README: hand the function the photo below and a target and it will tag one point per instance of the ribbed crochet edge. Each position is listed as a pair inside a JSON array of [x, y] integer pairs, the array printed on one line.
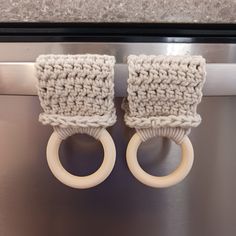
[[176, 134], [78, 121], [172, 121], [67, 132]]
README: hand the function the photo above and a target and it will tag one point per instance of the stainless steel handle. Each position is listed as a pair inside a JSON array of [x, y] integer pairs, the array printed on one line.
[[28, 52], [17, 75]]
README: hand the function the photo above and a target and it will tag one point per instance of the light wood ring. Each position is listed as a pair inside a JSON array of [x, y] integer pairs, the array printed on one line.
[[160, 181], [81, 182]]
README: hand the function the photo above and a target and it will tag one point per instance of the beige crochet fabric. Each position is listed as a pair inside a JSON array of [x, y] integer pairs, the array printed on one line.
[[163, 94], [76, 92]]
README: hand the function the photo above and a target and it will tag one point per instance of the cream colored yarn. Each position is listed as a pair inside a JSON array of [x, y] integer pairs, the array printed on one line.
[[163, 94], [76, 92]]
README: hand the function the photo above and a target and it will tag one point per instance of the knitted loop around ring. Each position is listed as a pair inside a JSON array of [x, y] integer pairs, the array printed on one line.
[[163, 95], [163, 181], [76, 93], [81, 182]]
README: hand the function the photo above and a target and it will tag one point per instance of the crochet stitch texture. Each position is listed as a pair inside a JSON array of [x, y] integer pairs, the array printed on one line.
[[76, 92], [163, 94]]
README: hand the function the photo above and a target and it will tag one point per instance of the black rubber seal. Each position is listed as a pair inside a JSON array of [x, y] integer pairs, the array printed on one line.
[[117, 32]]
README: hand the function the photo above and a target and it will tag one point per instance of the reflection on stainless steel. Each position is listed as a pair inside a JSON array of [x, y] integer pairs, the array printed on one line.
[[19, 79], [28, 52], [33, 202]]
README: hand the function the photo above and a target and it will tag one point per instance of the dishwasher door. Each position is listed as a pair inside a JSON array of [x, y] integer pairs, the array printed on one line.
[[34, 203]]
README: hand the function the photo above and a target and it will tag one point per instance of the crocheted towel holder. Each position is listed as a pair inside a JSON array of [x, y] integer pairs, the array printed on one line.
[[163, 94], [76, 93]]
